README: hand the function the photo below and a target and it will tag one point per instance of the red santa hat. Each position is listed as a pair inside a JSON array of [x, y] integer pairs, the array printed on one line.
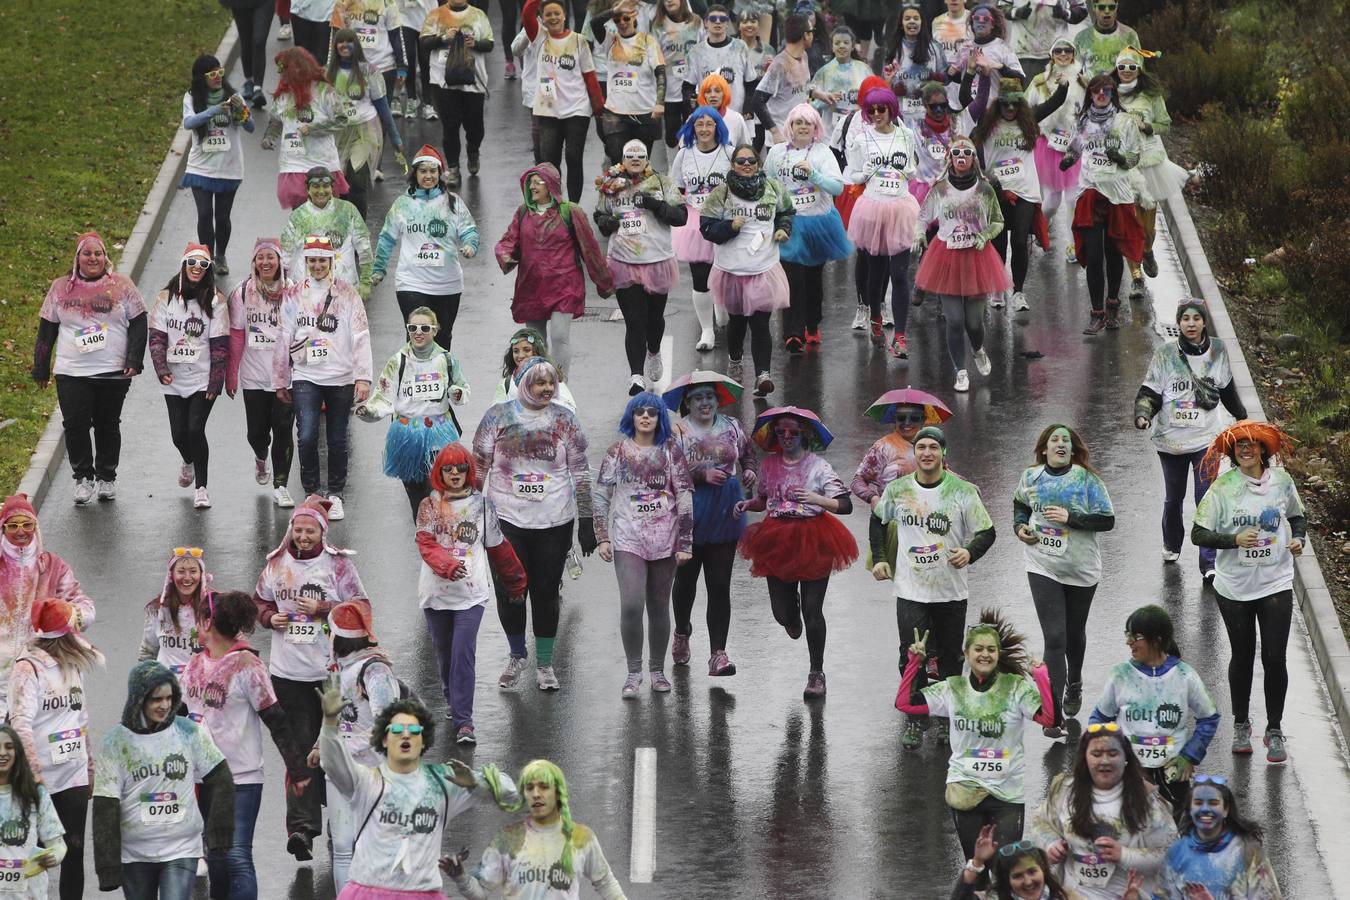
[[429, 154], [318, 245], [53, 618], [198, 251], [351, 620]]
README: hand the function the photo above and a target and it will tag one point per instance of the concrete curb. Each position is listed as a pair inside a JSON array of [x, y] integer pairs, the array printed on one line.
[[51, 446], [1310, 588]]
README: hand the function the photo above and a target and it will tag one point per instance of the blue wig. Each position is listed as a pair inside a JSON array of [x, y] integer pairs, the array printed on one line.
[[686, 132], [647, 398]]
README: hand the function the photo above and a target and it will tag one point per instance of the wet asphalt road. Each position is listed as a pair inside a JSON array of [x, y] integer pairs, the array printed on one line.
[[759, 794]]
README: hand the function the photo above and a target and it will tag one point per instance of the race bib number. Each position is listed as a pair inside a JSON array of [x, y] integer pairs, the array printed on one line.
[[1052, 540], [162, 808], [804, 197], [1098, 161], [430, 256], [649, 504], [927, 558], [548, 90], [911, 108], [293, 142], [301, 629], [1186, 414], [368, 36], [985, 762], [697, 198], [1152, 750], [1090, 870], [938, 151], [259, 339], [217, 141], [91, 338], [530, 486], [318, 352], [890, 182], [677, 71], [1263, 554], [424, 385], [66, 746], [623, 82], [631, 223], [961, 239], [1008, 169], [185, 351], [1059, 141], [11, 877]]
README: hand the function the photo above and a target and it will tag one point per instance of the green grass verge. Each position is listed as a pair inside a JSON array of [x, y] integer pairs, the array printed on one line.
[[91, 94]]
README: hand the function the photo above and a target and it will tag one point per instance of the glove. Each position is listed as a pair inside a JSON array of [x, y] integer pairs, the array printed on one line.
[[401, 159], [364, 290], [642, 201], [586, 537], [980, 242], [376, 277], [1178, 769], [1058, 12], [1067, 162], [1118, 158]]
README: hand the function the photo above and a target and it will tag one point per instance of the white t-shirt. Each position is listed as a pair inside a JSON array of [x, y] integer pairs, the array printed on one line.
[[372, 21], [560, 86], [677, 39], [807, 197], [153, 778], [190, 332], [91, 337], [752, 250], [1233, 505], [891, 158], [300, 153], [731, 61], [783, 94], [225, 695], [329, 347], [257, 318], [696, 172], [1153, 710], [521, 863], [21, 839], [466, 527], [301, 653], [632, 86], [986, 731], [470, 20], [377, 688], [429, 234], [931, 522], [530, 478], [221, 154], [1182, 425], [175, 645], [1014, 167], [56, 713]]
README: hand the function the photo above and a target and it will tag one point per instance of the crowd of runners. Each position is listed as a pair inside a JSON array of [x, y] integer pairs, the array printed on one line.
[[924, 149]]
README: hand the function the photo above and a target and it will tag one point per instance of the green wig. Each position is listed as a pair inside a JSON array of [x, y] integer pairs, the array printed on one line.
[[546, 772]]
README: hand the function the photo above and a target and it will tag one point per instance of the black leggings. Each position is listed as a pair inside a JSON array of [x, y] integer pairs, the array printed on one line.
[[716, 561], [761, 344], [698, 273], [72, 808], [461, 109], [618, 129], [1272, 615], [417, 491], [419, 66], [1004, 816], [542, 553], [644, 322], [312, 36], [795, 601], [559, 138], [510, 13], [879, 269], [253, 25], [445, 306], [187, 427], [674, 119], [1105, 266], [213, 219], [965, 318], [1018, 217], [271, 424], [806, 288], [1063, 612]]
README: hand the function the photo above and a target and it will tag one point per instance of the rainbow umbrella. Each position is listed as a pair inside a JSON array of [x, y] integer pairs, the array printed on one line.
[[728, 391], [768, 441], [935, 412]]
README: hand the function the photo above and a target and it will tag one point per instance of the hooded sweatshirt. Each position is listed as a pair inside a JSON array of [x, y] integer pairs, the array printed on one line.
[[145, 805], [96, 327], [551, 253]]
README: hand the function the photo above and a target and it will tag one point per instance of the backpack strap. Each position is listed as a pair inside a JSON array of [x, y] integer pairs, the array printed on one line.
[[371, 812]]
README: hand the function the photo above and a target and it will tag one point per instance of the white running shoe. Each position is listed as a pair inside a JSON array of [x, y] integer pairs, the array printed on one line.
[[107, 490], [636, 385], [514, 667], [653, 370], [706, 340], [887, 320], [84, 491], [763, 385], [982, 362], [282, 498], [861, 318], [545, 678], [284, 32], [998, 300], [962, 381], [261, 474], [1020, 303], [379, 176], [201, 500], [429, 112], [1170, 556], [335, 512], [186, 473]]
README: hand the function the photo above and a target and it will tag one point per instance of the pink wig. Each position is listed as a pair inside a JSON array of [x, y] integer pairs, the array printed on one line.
[[806, 112]]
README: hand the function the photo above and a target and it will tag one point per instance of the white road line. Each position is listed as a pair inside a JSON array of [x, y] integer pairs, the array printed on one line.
[[642, 859]]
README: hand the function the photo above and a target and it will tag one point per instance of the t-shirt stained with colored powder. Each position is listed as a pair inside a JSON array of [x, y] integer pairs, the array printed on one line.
[[1062, 553], [226, 696], [931, 522], [986, 730], [644, 502], [1236, 503]]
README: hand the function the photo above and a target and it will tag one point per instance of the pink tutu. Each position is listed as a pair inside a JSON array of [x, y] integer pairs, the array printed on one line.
[[691, 246], [741, 295], [655, 278], [292, 190], [961, 273], [1047, 167], [353, 891], [883, 227], [919, 190]]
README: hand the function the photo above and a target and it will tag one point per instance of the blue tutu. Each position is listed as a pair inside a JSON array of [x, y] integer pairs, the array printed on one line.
[[412, 444], [816, 240], [209, 184], [715, 521]]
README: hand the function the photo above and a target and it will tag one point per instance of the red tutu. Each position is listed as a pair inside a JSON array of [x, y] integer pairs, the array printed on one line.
[[1122, 225], [845, 201], [655, 278], [797, 549], [961, 273]]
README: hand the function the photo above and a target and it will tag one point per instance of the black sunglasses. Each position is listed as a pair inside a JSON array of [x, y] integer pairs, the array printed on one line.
[[718, 19], [649, 411], [746, 160]]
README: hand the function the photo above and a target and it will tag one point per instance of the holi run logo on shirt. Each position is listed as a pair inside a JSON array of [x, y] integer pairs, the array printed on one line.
[[437, 228], [304, 115], [328, 323], [1168, 716], [14, 832], [763, 212], [728, 73], [422, 820], [554, 876], [466, 532], [937, 523], [194, 327], [213, 695], [311, 590], [370, 17], [989, 727], [175, 767]]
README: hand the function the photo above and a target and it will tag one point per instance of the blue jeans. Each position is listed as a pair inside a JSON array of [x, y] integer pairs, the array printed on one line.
[[232, 873], [335, 405], [1175, 467], [168, 880]]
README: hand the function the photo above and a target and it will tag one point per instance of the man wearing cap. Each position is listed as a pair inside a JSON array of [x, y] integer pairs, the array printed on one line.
[[337, 220], [29, 573], [942, 528]]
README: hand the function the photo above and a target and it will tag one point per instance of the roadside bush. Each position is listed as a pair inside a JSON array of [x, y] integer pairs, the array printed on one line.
[[1226, 74], [1315, 109], [1245, 164]]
